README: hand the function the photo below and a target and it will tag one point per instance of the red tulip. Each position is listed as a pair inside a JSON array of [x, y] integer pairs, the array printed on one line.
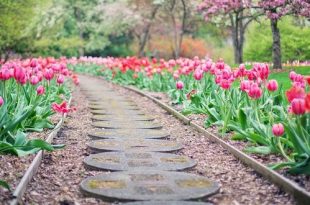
[[295, 92], [61, 108], [1, 101], [278, 129], [272, 85], [298, 106], [308, 79], [179, 85], [40, 90]]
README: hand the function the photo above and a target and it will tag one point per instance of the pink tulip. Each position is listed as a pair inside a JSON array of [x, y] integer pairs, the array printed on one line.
[[278, 129], [198, 74], [225, 84], [292, 75], [34, 80], [49, 74], [60, 79], [272, 85], [1, 101], [245, 85], [255, 92], [40, 90], [298, 106], [179, 85], [5, 74], [20, 75]]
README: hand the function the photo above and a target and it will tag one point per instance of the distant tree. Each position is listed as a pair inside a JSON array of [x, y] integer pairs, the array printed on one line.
[[275, 10], [235, 14], [15, 16]]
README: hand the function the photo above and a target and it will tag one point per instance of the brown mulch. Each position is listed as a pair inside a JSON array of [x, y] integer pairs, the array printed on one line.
[[302, 180], [12, 168]]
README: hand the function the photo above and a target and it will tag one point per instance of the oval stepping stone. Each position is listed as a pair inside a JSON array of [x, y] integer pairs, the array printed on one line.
[[124, 161], [134, 144], [126, 125], [148, 185], [128, 134], [117, 112], [104, 107], [105, 103], [166, 203], [115, 118]]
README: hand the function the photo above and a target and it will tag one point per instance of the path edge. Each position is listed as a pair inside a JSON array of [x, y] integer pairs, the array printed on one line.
[[300, 194], [35, 164]]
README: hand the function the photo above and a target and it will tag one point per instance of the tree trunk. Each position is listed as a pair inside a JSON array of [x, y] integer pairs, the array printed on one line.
[[237, 41], [146, 33], [276, 45]]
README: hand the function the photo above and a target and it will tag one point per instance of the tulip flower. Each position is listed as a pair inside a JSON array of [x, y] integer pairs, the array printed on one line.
[[49, 74], [198, 74], [1, 101], [5, 74], [307, 101], [179, 85], [255, 91], [298, 106], [60, 79], [272, 85], [61, 108], [278, 129], [308, 79], [34, 80], [40, 90], [295, 92], [20, 75]]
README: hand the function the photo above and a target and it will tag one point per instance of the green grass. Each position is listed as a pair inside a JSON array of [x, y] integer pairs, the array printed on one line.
[[283, 77]]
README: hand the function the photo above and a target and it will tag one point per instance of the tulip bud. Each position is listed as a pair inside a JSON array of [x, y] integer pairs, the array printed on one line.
[[278, 130], [40, 90], [179, 85], [298, 106], [272, 85], [60, 79]]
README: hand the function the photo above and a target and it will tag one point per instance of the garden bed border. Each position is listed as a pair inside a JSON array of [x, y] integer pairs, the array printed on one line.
[[300, 194], [35, 164]]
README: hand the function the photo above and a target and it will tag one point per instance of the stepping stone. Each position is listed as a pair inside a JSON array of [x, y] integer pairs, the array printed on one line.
[[115, 118], [148, 185], [134, 144], [124, 161], [166, 203], [128, 134], [102, 107], [117, 112], [126, 125]]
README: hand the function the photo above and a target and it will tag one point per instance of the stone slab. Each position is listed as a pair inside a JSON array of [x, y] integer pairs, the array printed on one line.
[[134, 144], [112, 106], [148, 185], [124, 161], [117, 112], [126, 125], [166, 203], [99, 117], [127, 134]]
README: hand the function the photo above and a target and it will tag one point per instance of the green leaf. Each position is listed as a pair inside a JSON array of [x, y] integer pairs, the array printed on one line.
[[4, 184], [242, 119], [259, 150]]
